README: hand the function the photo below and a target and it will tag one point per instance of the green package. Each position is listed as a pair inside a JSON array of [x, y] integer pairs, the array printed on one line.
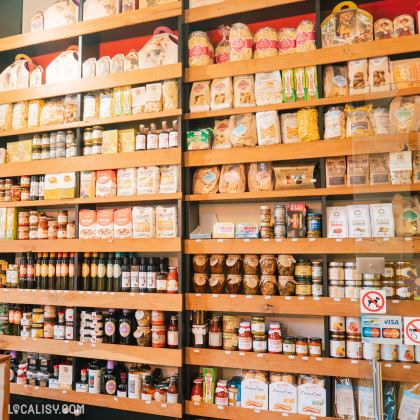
[[200, 139], [287, 78]]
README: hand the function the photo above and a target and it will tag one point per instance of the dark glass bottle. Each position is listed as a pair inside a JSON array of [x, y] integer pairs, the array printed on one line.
[[86, 272], [58, 270], [13, 366], [64, 277], [122, 386], [117, 272], [110, 379], [110, 272], [143, 276], [125, 276], [51, 271], [134, 276], [94, 272], [162, 277], [72, 272], [102, 272], [17, 326], [23, 272], [44, 271], [110, 327], [151, 276], [125, 327], [41, 187], [30, 271], [95, 380], [38, 262]]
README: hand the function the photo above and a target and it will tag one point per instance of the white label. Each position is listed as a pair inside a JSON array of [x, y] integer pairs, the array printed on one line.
[[94, 381], [134, 385], [366, 402], [125, 279], [410, 406], [345, 400], [173, 338]]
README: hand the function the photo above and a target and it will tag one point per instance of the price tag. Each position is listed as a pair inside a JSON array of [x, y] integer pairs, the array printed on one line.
[[355, 362], [25, 386], [407, 367], [58, 291], [267, 297], [260, 355], [359, 240], [163, 405], [67, 341], [112, 293], [80, 292], [301, 298], [241, 354], [338, 240], [215, 295], [285, 414], [395, 301], [408, 239], [148, 402], [64, 392], [337, 299], [97, 293], [23, 338], [33, 339], [104, 293], [292, 357], [312, 239], [198, 294], [288, 297], [220, 407], [353, 299], [316, 298], [36, 387], [131, 294], [232, 296], [198, 240], [257, 411], [66, 291], [93, 345], [246, 240], [52, 291], [294, 239], [115, 399], [319, 359], [386, 239], [249, 296], [227, 352], [279, 239], [141, 293], [266, 239], [388, 365], [305, 358], [27, 290], [196, 403], [220, 240], [89, 292], [80, 343], [196, 351], [43, 291]]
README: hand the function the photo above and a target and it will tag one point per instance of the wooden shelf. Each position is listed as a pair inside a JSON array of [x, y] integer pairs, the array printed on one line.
[[95, 200], [400, 372], [145, 301], [304, 246], [117, 352], [309, 150], [309, 58], [92, 26], [118, 403], [230, 7], [133, 77], [92, 122], [239, 413], [99, 245], [93, 163], [291, 305]]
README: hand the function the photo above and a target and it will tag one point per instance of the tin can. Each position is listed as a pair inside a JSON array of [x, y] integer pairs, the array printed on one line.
[[265, 214], [265, 231], [313, 221], [280, 213], [280, 230]]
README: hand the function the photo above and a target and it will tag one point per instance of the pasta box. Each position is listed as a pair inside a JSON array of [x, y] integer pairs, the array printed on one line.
[[224, 230], [110, 142], [246, 230], [25, 150], [127, 140], [296, 220]]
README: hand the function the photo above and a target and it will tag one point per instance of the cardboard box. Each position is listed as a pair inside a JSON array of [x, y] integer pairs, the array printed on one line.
[[87, 184], [106, 183], [224, 230], [110, 142], [209, 384], [87, 224], [127, 140], [12, 152], [11, 227], [67, 185], [52, 187], [25, 150]]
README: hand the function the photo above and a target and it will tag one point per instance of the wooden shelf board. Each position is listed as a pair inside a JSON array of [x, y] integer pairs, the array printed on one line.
[[229, 7], [133, 77], [145, 301], [309, 150], [117, 352], [304, 246], [93, 163], [99, 245], [92, 122], [94, 200], [309, 58], [92, 26], [107, 401], [400, 372]]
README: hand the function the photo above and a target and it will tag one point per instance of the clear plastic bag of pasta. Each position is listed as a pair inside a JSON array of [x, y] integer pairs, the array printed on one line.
[[307, 119], [408, 396], [70, 108], [240, 42], [52, 112], [243, 130], [287, 40], [200, 49], [265, 43], [34, 114], [335, 123], [344, 404], [222, 54], [6, 116], [154, 101], [305, 36], [358, 121], [170, 95], [20, 115], [91, 105]]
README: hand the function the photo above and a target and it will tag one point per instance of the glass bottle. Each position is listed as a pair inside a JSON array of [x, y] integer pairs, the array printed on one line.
[[143, 275], [95, 374], [172, 393], [125, 276], [172, 284], [134, 276], [44, 271], [110, 272], [30, 271], [72, 272], [13, 366], [86, 272], [94, 272], [147, 391], [34, 189], [151, 276], [117, 272], [38, 270], [141, 138], [162, 277], [23, 269], [173, 135], [41, 187], [134, 381], [64, 274], [215, 333], [122, 386], [102, 272], [173, 333], [110, 379], [152, 138], [164, 136], [51, 272], [58, 270], [82, 385], [125, 327], [110, 328], [17, 318]]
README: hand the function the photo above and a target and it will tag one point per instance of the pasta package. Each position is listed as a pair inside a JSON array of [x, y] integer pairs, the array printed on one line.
[[243, 130], [261, 177], [288, 82], [103, 66], [35, 78], [131, 61], [240, 42], [358, 76], [200, 49], [344, 406], [336, 81], [144, 222], [335, 123], [282, 393], [268, 128], [289, 128], [308, 124], [380, 121], [265, 43], [384, 29], [305, 36], [290, 176], [153, 97], [138, 98], [268, 88], [400, 165], [382, 220], [358, 121], [221, 93], [91, 105], [416, 167], [34, 112], [379, 76], [169, 176], [287, 40], [243, 91], [89, 68], [406, 73], [117, 64], [232, 178], [105, 101], [364, 398], [6, 117], [166, 222], [148, 180], [311, 395], [93, 9], [170, 95], [206, 180], [200, 97], [335, 171], [300, 84], [379, 169], [405, 216], [70, 108], [20, 115], [126, 181], [404, 114], [311, 81], [123, 223], [52, 112], [222, 54], [221, 134], [357, 170], [408, 397], [254, 390]]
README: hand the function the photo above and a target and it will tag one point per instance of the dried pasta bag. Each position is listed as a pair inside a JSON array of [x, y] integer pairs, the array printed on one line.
[[105, 100], [380, 121], [400, 164], [311, 395], [336, 81], [138, 97], [91, 105], [405, 73], [344, 404], [232, 179], [243, 91], [93, 9], [89, 68], [358, 121], [103, 66], [64, 68], [240, 41], [268, 88], [200, 49], [62, 12], [416, 167], [268, 128], [200, 96], [408, 397], [308, 124], [206, 180], [364, 398], [117, 102], [357, 170], [148, 180], [221, 135], [221, 93], [282, 393], [126, 100], [379, 76], [379, 169], [305, 36], [169, 176], [117, 64], [403, 26], [170, 95], [287, 40], [70, 108], [335, 171], [154, 101], [222, 53], [301, 87], [358, 76], [261, 177], [34, 112], [6, 116], [243, 130], [289, 127], [35, 78], [265, 43], [52, 112], [290, 176], [384, 29], [16, 76], [406, 211], [131, 61], [404, 114], [20, 115], [335, 123]]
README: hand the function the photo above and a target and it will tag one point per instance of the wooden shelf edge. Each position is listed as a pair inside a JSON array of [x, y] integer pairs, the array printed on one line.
[[100, 400]]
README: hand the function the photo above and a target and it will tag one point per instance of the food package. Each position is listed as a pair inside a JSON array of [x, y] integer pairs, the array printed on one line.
[[126, 181], [221, 93], [358, 76], [382, 220], [169, 178], [91, 106], [61, 13], [16, 76], [126, 140], [232, 178], [254, 390], [109, 142], [305, 36], [13, 152], [200, 49], [37, 22], [384, 29], [289, 127], [20, 115], [406, 215], [106, 183], [200, 139], [335, 171], [300, 84], [89, 68], [243, 130], [170, 95], [261, 177], [287, 40], [161, 50], [400, 165], [221, 135], [268, 88], [105, 101], [138, 100], [311, 82], [240, 42], [123, 223], [34, 112], [93, 9], [200, 97], [64, 68], [11, 223], [268, 128], [380, 121], [358, 121], [336, 81], [335, 123], [403, 26], [222, 53], [206, 180], [283, 392], [379, 76], [379, 169], [288, 83], [296, 220], [153, 97], [129, 5], [337, 223], [117, 64], [364, 398], [52, 187], [87, 184], [244, 91], [405, 73], [346, 25], [308, 124], [144, 222], [143, 4], [103, 66], [166, 222], [358, 221], [408, 397], [416, 167], [126, 100], [148, 180], [390, 390], [344, 405], [25, 150], [357, 170], [105, 224], [70, 108], [87, 224], [311, 395], [35, 78], [131, 61], [404, 114], [295, 176], [265, 42]]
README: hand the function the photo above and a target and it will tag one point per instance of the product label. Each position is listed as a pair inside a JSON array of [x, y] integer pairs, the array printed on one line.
[[101, 270], [260, 346], [110, 270], [134, 385], [126, 279], [122, 394], [134, 279], [117, 271], [124, 329], [275, 346], [94, 270], [146, 397], [215, 339], [51, 270], [312, 399], [161, 285], [244, 343], [344, 400], [142, 280], [151, 280], [410, 406], [109, 328], [365, 397], [110, 387], [173, 338], [171, 398], [85, 270], [95, 381]]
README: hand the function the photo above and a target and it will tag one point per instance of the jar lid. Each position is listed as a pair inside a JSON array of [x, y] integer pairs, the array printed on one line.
[[280, 205], [316, 262], [198, 381], [88, 129], [275, 325], [403, 262], [265, 207], [264, 224], [259, 337], [245, 324], [354, 282], [350, 264], [336, 282], [289, 338], [389, 263], [335, 264], [257, 318], [316, 339], [338, 335], [303, 260], [301, 338], [314, 215], [98, 127]]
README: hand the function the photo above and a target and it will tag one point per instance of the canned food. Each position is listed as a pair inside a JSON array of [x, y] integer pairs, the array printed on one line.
[[280, 213], [389, 352], [265, 214], [313, 222]]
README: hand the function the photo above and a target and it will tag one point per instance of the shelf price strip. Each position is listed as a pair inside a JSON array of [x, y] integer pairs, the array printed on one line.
[[373, 302], [411, 331]]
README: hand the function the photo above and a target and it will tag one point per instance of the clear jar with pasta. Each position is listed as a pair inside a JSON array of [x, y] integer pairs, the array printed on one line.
[[240, 42], [200, 49], [170, 95], [265, 43], [308, 124]]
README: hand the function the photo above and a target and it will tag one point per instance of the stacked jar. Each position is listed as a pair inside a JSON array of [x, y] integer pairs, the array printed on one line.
[[231, 325], [402, 270], [12, 276], [199, 329], [345, 337], [353, 280], [91, 327], [371, 281], [37, 187], [23, 225], [50, 319], [317, 285], [336, 284], [303, 276], [158, 329], [87, 141], [71, 146], [279, 221], [388, 280], [60, 144], [37, 327], [97, 135]]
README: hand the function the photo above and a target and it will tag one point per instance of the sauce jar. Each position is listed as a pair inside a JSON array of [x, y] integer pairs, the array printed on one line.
[[234, 283], [221, 393], [200, 263], [389, 272], [280, 213], [42, 227], [405, 353], [302, 348], [23, 233], [371, 350], [303, 287], [23, 218], [197, 390], [259, 343], [251, 284], [389, 288], [350, 272], [250, 264], [199, 336], [289, 346], [25, 181], [63, 217], [37, 140], [97, 132], [275, 344], [230, 323], [234, 264], [268, 285], [313, 225], [52, 229], [257, 325], [338, 324], [160, 393], [315, 346], [265, 214], [158, 317], [303, 269], [338, 345], [215, 333], [200, 282], [25, 194], [352, 289], [335, 271], [217, 283], [71, 229], [268, 264], [158, 336], [87, 134], [62, 232], [354, 347], [265, 230], [217, 264], [37, 153], [245, 336], [8, 184], [16, 193], [230, 341], [353, 325]]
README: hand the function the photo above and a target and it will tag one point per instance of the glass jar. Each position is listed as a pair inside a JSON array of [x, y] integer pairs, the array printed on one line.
[[250, 284], [268, 264], [160, 393], [406, 353], [97, 132], [371, 350], [338, 324], [302, 346], [62, 232], [313, 223], [315, 346], [199, 336], [197, 390], [217, 264], [275, 344], [71, 150], [280, 230], [158, 336], [215, 333], [87, 147], [221, 395], [389, 288], [389, 272], [303, 269], [230, 341], [289, 346], [338, 345], [25, 181], [389, 352], [336, 289], [230, 323], [70, 137], [316, 270], [217, 283], [234, 264], [71, 229], [97, 147], [317, 288], [63, 217], [265, 214], [36, 140], [336, 271], [259, 343], [286, 265], [36, 153], [401, 291], [87, 134], [268, 285], [354, 347], [250, 264], [200, 263], [200, 282], [286, 285], [401, 273], [234, 284], [245, 336], [46, 141], [350, 272], [45, 154], [352, 289], [61, 137], [265, 230], [257, 325], [303, 287]]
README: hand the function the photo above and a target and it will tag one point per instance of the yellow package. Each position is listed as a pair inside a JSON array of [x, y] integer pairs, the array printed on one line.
[[52, 187], [109, 142], [308, 124], [126, 100], [34, 113], [6, 114], [11, 223], [12, 152], [87, 184], [359, 120], [25, 150], [3, 154], [406, 73], [20, 115], [67, 183], [127, 140], [3, 224]]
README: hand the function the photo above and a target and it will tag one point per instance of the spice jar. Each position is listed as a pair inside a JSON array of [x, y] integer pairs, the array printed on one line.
[[286, 285], [389, 288], [234, 283], [217, 283], [245, 336], [250, 264], [315, 346], [268, 285], [303, 269], [302, 346], [289, 346], [251, 284], [25, 194], [303, 287], [313, 225], [15, 193], [286, 265], [25, 181], [234, 264], [200, 282], [200, 263], [350, 272], [259, 343], [338, 346], [230, 341], [217, 264], [215, 333], [275, 345], [42, 227], [199, 336], [257, 325], [268, 264], [97, 132]]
